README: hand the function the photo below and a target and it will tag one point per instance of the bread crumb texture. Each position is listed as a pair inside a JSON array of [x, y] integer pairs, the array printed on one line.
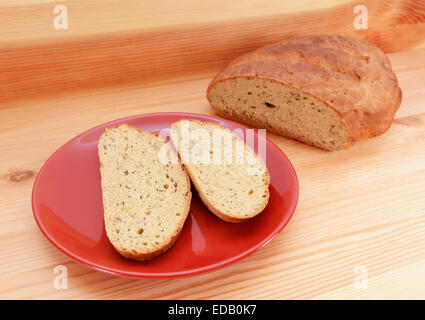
[[145, 201], [234, 188], [282, 110]]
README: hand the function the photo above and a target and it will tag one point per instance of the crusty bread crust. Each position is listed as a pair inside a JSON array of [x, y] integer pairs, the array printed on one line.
[[226, 216], [141, 256], [223, 215], [352, 77]]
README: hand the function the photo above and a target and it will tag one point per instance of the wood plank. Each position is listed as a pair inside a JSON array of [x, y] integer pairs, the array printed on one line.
[[33, 19], [409, 285], [120, 47], [27, 20], [359, 207]]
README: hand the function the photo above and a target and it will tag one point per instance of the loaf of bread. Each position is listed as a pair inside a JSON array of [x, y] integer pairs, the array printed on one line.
[[231, 179], [145, 201], [326, 91]]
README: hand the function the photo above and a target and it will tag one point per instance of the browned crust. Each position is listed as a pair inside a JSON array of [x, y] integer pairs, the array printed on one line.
[[223, 215], [152, 254], [352, 77]]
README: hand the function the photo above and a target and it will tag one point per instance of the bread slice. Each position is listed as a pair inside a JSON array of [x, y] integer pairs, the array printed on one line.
[[145, 201], [232, 189]]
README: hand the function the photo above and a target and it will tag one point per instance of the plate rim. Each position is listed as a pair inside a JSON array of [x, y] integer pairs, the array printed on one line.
[[162, 275]]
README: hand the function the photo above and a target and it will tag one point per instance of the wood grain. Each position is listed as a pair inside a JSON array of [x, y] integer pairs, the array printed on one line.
[[141, 42], [359, 207]]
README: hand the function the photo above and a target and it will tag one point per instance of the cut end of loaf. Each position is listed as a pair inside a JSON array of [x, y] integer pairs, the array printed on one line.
[[286, 111], [145, 201]]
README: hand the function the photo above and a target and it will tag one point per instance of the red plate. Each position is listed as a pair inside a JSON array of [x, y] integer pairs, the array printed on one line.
[[67, 205]]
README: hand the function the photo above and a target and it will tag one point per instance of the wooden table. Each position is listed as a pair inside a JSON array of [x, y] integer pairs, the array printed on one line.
[[361, 211]]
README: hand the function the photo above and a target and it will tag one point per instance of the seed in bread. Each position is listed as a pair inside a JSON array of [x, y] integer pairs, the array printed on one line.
[[326, 91], [234, 188], [145, 201]]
